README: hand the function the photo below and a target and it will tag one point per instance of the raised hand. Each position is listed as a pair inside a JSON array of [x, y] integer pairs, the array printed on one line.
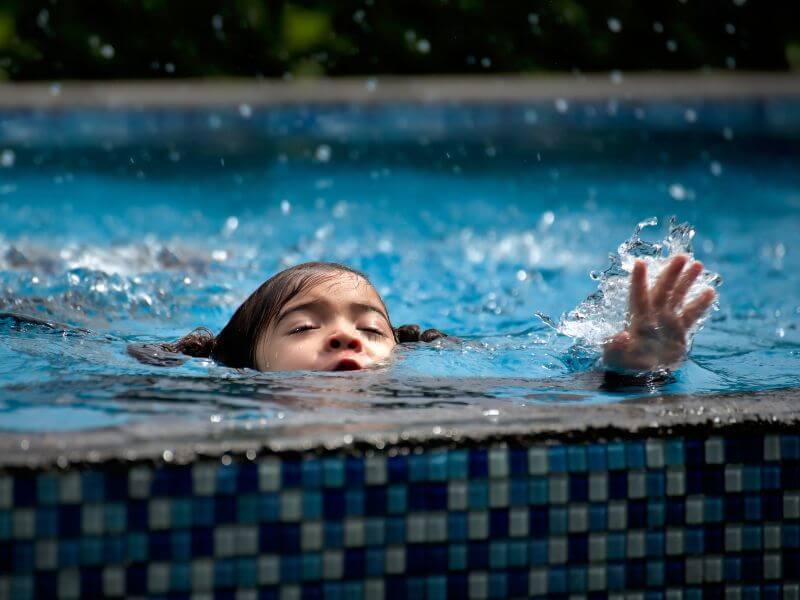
[[655, 337]]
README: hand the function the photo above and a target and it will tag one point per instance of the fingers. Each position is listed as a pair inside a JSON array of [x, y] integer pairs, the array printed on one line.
[[639, 301], [666, 281], [695, 309], [681, 288]]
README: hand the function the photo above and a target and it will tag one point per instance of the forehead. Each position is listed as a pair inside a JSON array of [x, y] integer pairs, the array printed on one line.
[[341, 287]]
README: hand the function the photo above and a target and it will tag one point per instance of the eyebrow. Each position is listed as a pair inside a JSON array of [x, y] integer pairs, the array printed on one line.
[[314, 305]]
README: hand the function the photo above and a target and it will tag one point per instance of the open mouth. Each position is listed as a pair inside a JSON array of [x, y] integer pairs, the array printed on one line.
[[347, 364]]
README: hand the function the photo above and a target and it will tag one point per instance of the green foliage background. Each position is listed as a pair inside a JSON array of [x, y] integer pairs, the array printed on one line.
[[96, 39]]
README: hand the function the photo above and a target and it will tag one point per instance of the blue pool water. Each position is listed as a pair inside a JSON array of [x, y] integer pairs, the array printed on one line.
[[139, 227]]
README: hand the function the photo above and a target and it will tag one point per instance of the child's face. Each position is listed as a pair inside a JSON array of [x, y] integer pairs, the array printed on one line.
[[338, 325]]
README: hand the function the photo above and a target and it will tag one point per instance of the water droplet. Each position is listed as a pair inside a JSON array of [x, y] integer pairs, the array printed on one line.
[[530, 116], [727, 133], [169, 67], [615, 25], [7, 158], [216, 22], [716, 168], [226, 459], [246, 111], [690, 115], [437, 430], [533, 19], [562, 105], [214, 122], [322, 153], [658, 27], [107, 51], [286, 207], [672, 45], [548, 218], [677, 191], [347, 439], [423, 46], [43, 18], [616, 77], [730, 28], [486, 62], [216, 418], [168, 455], [24, 444], [522, 275]]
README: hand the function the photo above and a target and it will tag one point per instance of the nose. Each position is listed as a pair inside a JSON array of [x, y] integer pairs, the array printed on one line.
[[341, 341]]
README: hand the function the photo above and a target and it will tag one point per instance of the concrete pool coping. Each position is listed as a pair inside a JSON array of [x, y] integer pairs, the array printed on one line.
[[182, 440], [381, 89]]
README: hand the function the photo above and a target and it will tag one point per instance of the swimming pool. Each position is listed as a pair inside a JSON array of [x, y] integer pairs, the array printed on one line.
[[137, 225]]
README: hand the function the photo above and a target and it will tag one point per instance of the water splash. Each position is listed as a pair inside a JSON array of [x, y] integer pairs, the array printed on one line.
[[604, 312]]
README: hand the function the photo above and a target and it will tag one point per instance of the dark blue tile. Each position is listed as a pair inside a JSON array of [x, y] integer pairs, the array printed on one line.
[[291, 473], [752, 567], [355, 563], [655, 484], [598, 517], [518, 461], [225, 509], [92, 486], [47, 584], [557, 580], [732, 569], [269, 593], [333, 532], [578, 487], [517, 583], [160, 545], [498, 523], [224, 574], [354, 471], [203, 511], [290, 538], [374, 500], [675, 511], [695, 453], [578, 548], [617, 485], [458, 586], [791, 537], [772, 592], [438, 559], [674, 571], [654, 544], [395, 530], [23, 557], [437, 496], [312, 591], [714, 538], [772, 506], [24, 490], [695, 480], [115, 549], [478, 463], [539, 521], [333, 504], [397, 469], [615, 577], [69, 520], [637, 514], [269, 537], [694, 540], [790, 476], [203, 542], [457, 528], [247, 478], [181, 544], [91, 582], [714, 481], [734, 508], [752, 508], [417, 496], [636, 574], [771, 477], [136, 579], [477, 555], [416, 559], [791, 561], [116, 483]]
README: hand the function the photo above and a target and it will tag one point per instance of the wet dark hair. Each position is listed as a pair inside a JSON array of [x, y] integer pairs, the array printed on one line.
[[235, 346]]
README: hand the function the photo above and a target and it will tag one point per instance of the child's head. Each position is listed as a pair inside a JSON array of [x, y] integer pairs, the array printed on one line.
[[315, 316]]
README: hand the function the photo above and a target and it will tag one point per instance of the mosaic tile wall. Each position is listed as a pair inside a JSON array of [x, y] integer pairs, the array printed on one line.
[[650, 518]]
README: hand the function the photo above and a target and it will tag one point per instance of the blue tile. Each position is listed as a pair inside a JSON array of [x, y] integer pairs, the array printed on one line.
[[752, 508], [269, 506], [518, 492], [437, 587], [751, 478], [225, 573], [656, 514], [655, 484], [576, 457], [137, 548], [181, 545], [538, 491], [771, 477], [537, 552], [615, 453], [354, 470], [457, 464], [333, 472], [557, 581], [791, 535], [246, 510], [732, 569], [396, 501], [375, 562], [693, 540], [47, 489], [655, 576], [23, 560], [478, 494], [93, 486], [751, 537], [395, 530], [247, 572], [498, 585], [557, 459], [115, 549], [202, 512], [457, 557], [790, 447], [437, 465], [616, 546], [517, 553], [713, 509], [311, 473], [596, 457], [46, 523], [354, 502], [333, 533], [598, 517], [558, 520], [457, 526], [673, 452], [635, 455], [418, 467], [654, 544]]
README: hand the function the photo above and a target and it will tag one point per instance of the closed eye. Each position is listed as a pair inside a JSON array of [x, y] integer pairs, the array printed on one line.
[[373, 332], [301, 329]]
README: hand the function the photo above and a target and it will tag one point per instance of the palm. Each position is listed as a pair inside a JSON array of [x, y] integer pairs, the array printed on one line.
[[658, 318]]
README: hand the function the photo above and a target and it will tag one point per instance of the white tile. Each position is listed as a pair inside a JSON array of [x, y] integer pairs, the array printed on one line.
[[694, 569], [676, 481], [791, 505], [291, 506], [241, 594], [557, 550], [415, 527], [772, 536], [598, 487], [791, 591], [23, 523], [457, 495], [139, 480], [69, 583], [518, 524], [596, 578], [159, 513], [70, 490], [114, 581], [6, 491], [224, 541], [674, 541], [733, 592], [715, 451], [310, 535], [269, 474], [478, 585], [498, 463], [537, 461], [635, 544], [498, 493], [202, 575], [290, 591], [674, 594], [332, 564], [597, 547], [772, 566], [634, 596], [537, 582], [654, 450], [772, 447], [712, 569], [354, 532], [269, 570], [46, 555], [617, 515], [374, 589], [437, 527], [478, 525], [694, 510], [157, 578], [733, 478], [636, 484], [375, 470], [733, 538], [578, 515], [558, 488], [246, 540], [395, 560]]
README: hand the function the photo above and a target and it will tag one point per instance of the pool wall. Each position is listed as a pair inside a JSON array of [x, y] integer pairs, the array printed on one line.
[[695, 516]]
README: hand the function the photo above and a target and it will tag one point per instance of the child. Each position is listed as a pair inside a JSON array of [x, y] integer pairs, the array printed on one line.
[[328, 317]]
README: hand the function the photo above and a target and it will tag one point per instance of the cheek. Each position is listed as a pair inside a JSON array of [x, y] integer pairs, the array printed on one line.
[[286, 354]]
